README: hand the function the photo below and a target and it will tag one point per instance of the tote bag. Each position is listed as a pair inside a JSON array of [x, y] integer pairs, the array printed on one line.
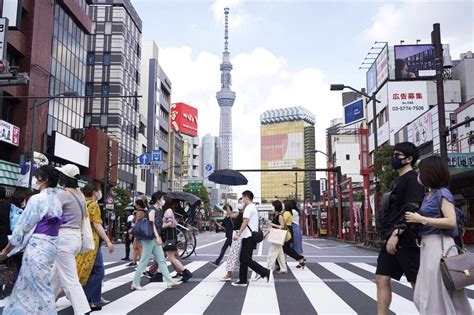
[[88, 243], [277, 236], [143, 229]]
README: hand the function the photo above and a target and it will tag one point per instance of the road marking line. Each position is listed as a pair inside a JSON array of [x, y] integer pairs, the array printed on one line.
[[115, 269], [372, 269], [312, 245], [261, 297], [202, 295], [399, 305], [326, 301], [134, 299], [210, 244]]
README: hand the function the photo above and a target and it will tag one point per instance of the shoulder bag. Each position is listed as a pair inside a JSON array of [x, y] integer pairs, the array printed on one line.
[[88, 243], [170, 242], [257, 236], [143, 229], [277, 236], [457, 271]]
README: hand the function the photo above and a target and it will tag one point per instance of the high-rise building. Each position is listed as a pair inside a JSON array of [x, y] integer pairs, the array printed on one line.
[[46, 40], [209, 163], [191, 157], [287, 141], [154, 117], [226, 98], [113, 59], [165, 138]]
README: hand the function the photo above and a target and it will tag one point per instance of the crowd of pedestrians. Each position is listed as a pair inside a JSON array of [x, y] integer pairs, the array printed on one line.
[[42, 235]]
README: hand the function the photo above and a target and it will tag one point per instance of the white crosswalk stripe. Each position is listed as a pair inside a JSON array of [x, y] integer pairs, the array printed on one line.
[[316, 289]]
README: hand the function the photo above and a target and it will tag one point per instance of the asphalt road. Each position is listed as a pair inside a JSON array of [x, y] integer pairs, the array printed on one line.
[[338, 279]]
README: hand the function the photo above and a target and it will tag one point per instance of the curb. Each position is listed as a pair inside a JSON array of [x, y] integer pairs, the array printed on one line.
[[356, 244]]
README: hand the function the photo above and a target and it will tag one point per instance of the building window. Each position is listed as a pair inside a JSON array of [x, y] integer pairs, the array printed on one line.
[[90, 58], [105, 89], [348, 157], [103, 120], [87, 120], [106, 58], [89, 88], [108, 28]]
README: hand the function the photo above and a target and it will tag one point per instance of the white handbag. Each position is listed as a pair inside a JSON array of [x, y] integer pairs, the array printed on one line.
[[88, 243], [277, 236]]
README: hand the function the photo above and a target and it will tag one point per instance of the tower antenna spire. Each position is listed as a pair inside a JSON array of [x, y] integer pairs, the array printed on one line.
[[226, 32]]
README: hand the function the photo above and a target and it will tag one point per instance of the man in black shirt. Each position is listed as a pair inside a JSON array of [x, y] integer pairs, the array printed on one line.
[[400, 254], [226, 224]]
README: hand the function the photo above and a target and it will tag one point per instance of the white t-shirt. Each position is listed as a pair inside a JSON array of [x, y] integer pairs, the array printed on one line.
[[296, 217], [250, 213]]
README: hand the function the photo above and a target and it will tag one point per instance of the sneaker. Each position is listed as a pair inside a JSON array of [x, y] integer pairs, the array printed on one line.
[[158, 277], [215, 264], [147, 274], [125, 259], [239, 284], [177, 275], [225, 279], [132, 264]]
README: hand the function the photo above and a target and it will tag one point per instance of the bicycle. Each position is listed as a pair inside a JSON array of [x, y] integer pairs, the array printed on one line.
[[186, 237]]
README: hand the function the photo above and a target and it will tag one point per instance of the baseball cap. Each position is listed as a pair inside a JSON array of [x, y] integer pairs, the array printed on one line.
[[70, 170]]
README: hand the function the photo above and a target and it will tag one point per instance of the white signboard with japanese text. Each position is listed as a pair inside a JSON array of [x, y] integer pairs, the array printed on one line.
[[9, 133], [406, 100], [422, 129]]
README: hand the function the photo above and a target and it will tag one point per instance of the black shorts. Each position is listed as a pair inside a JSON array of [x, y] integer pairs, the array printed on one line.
[[405, 261]]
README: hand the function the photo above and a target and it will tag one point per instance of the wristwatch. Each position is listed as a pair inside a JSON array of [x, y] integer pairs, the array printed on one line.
[[424, 221]]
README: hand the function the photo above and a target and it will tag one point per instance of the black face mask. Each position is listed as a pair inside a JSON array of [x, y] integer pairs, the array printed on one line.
[[397, 163]]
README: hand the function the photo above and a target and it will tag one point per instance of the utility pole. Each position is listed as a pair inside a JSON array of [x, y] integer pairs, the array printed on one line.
[[436, 41]]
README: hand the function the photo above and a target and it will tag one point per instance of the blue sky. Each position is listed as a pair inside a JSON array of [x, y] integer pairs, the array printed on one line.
[[286, 53]]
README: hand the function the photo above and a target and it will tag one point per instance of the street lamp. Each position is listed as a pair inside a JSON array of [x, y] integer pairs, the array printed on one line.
[[65, 94], [340, 87]]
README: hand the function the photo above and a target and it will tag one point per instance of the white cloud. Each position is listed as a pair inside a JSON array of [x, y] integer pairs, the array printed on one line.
[[261, 81], [412, 20]]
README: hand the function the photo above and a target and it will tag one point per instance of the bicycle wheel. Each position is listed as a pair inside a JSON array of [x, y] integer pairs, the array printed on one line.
[[181, 242], [190, 244]]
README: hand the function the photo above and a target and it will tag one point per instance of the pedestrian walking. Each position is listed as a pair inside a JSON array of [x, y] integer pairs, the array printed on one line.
[[275, 252], [128, 237], [152, 247], [65, 275], [228, 225], [288, 246], [36, 233], [438, 219], [139, 213], [90, 265], [399, 254], [169, 225], [233, 260], [296, 229], [249, 224]]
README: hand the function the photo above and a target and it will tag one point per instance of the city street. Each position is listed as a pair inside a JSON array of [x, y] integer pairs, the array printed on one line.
[[338, 279]]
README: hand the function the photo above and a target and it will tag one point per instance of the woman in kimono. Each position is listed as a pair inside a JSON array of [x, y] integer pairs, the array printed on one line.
[[36, 234]]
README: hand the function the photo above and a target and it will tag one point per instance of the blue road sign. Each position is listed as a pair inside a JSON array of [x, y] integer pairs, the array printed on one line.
[[156, 155], [208, 167], [144, 159]]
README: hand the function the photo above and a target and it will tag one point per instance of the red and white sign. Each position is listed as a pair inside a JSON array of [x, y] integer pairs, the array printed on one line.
[[331, 180], [9, 133], [184, 119], [406, 100], [109, 203]]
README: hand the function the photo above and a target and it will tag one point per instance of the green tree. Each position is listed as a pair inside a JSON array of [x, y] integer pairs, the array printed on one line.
[[199, 190], [122, 200], [384, 171]]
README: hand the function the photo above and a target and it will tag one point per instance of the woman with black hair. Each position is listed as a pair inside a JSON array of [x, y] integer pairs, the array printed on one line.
[[287, 247], [70, 240], [296, 229], [169, 233], [152, 247], [36, 233]]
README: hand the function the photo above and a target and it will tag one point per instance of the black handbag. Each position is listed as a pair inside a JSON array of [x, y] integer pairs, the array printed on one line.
[[169, 239], [257, 236], [143, 229]]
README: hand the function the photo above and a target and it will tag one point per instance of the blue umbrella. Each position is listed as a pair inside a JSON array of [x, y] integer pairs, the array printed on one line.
[[228, 177]]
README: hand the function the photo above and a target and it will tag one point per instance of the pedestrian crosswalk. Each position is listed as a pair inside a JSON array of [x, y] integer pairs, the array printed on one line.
[[320, 288]]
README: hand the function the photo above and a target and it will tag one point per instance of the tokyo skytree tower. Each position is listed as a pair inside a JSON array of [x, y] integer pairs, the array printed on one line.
[[225, 98]]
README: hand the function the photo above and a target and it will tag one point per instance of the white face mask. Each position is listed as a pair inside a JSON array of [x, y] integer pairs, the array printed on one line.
[[99, 196], [34, 184], [162, 203], [241, 206]]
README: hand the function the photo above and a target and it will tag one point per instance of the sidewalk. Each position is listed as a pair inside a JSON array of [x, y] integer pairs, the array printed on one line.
[[469, 247]]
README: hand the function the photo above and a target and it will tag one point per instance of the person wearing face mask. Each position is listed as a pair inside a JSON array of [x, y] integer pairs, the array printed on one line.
[[228, 226], [400, 253], [90, 265], [233, 261], [438, 226], [65, 276], [36, 234]]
